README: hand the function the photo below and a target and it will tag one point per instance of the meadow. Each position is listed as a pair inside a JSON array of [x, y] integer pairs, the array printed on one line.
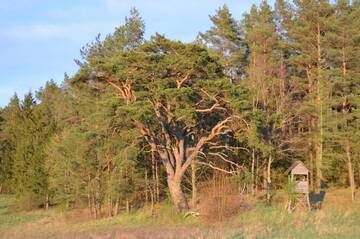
[[338, 218]]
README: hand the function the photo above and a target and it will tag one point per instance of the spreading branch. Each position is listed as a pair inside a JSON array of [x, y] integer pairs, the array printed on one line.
[[180, 82]]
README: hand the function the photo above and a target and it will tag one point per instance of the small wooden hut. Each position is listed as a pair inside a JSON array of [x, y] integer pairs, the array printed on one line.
[[299, 174]]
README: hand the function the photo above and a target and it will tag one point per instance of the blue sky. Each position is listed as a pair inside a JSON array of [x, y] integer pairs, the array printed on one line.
[[39, 39]]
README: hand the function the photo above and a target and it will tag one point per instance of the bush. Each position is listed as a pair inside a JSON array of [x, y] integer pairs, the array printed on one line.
[[220, 199]]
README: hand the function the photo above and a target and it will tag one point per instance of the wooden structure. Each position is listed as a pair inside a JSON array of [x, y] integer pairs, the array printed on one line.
[[299, 174]]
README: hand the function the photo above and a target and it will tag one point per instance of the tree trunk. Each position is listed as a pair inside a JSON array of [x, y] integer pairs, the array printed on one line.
[[282, 75], [89, 203], [109, 206], [351, 173], [268, 182], [177, 194], [146, 188], [157, 182], [193, 184], [93, 206], [253, 173], [318, 166], [116, 207], [109, 199], [319, 104], [256, 173], [97, 204], [153, 173], [311, 159], [127, 206], [152, 202], [46, 201]]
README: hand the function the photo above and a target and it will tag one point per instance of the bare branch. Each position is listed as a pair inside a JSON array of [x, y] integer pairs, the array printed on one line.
[[216, 168], [221, 156], [213, 107], [219, 128]]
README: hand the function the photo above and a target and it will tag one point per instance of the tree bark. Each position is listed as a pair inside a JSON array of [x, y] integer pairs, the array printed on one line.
[[153, 173], [311, 159], [268, 181], [89, 203], [146, 188], [350, 172], [46, 201], [256, 173], [127, 206], [253, 172], [97, 205], [319, 104], [193, 184], [116, 207], [177, 194], [109, 206], [157, 182]]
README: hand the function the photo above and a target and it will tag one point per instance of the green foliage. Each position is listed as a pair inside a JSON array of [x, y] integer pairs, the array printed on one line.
[[226, 40]]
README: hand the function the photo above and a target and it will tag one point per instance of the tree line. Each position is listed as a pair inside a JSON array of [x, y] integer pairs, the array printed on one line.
[[147, 119]]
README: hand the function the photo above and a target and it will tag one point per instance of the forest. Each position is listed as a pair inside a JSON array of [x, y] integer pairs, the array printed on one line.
[[146, 121]]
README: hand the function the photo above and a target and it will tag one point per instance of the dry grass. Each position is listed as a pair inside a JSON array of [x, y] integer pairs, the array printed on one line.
[[220, 200]]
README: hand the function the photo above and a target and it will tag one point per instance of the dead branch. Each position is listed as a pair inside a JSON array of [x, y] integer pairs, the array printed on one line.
[[216, 168]]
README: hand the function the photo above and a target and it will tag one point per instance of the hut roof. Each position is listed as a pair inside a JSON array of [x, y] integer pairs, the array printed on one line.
[[298, 167]]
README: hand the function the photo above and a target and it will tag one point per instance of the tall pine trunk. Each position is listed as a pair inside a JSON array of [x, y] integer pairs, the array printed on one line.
[[46, 201], [350, 172], [193, 184], [157, 182], [253, 172], [268, 181], [319, 105]]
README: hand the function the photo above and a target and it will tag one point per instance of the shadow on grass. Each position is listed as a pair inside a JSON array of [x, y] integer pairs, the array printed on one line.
[[317, 199]]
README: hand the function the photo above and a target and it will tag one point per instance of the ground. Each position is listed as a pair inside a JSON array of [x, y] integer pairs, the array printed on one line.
[[338, 218]]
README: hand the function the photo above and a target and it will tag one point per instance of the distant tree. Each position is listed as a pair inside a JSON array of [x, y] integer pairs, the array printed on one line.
[[9, 134]]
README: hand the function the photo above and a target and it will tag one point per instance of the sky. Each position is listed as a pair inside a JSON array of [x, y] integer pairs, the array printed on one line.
[[39, 39]]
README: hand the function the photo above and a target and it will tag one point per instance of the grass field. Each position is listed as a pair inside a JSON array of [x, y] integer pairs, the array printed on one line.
[[339, 218]]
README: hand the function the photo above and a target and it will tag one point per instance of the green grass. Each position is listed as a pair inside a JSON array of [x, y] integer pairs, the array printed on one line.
[[8, 216]]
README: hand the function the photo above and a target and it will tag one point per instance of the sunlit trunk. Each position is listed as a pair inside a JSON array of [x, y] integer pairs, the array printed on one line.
[[193, 184], [268, 181], [351, 173], [177, 194]]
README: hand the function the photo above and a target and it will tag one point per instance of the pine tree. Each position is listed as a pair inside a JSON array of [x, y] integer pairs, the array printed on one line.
[[307, 27], [343, 120], [225, 38], [266, 83], [8, 138]]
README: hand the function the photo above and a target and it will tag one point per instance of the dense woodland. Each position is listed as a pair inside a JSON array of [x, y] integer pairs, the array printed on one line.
[[148, 120]]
